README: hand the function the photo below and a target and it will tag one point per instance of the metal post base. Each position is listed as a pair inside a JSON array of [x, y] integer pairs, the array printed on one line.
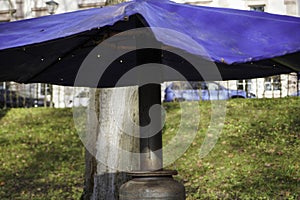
[[154, 185]]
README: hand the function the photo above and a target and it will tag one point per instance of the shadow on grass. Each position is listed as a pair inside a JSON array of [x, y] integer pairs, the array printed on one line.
[[3, 112], [3, 141]]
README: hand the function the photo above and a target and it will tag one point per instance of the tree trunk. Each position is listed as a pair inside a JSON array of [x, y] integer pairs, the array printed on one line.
[[103, 179], [116, 135]]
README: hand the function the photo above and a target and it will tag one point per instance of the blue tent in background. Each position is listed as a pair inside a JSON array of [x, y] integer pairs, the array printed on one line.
[[242, 44]]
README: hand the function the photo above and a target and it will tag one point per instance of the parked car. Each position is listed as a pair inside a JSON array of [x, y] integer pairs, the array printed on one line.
[[195, 91], [40, 102], [296, 94]]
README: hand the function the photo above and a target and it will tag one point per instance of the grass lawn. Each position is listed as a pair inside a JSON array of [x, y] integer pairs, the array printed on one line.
[[257, 155], [41, 155]]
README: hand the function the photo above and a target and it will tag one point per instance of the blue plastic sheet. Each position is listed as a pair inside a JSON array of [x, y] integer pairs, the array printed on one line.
[[243, 44]]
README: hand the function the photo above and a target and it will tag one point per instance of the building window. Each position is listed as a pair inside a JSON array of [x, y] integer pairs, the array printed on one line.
[[244, 85], [46, 89], [273, 83], [258, 8], [240, 84]]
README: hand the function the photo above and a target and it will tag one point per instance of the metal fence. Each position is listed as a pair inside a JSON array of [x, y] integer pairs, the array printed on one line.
[[45, 95], [41, 95]]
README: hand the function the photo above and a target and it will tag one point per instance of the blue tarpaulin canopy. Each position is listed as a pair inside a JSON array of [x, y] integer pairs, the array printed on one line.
[[242, 44]]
